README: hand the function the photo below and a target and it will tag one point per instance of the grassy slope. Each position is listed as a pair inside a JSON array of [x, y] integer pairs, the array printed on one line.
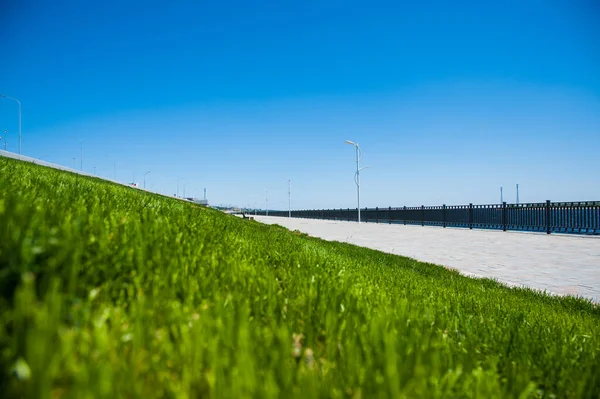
[[108, 292]]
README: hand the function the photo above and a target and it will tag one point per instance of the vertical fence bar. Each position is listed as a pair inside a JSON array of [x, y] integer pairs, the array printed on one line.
[[504, 216], [586, 217], [376, 214], [548, 217], [390, 215], [422, 215], [404, 215], [444, 216], [470, 216]]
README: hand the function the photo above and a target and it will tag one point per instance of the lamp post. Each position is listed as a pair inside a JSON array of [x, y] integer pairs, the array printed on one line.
[[183, 178], [5, 138], [357, 174], [145, 179], [289, 197], [18, 102]]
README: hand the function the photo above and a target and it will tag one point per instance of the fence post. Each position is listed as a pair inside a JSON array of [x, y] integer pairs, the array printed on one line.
[[390, 215], [471, 216], [404, 214], [504, 216], [548, 217], [422, 215], [348, 214], [376, 214], [444, 216]]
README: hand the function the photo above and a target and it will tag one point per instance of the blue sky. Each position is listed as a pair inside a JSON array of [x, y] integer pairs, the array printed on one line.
[[448, 100]]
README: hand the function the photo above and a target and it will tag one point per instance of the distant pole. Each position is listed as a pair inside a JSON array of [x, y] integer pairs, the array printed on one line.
[[517, 193], [358, 181], [94, 170], [357, 174], [74, 164], [289, 197], [5, 139], [18, 102], [501, 196], [145, 179]]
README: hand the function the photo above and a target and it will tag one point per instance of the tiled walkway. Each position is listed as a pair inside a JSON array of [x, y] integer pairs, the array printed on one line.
[[561, 264]]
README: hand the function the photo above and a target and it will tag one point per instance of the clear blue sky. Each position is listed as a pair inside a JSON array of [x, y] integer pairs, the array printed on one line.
[[448, 100]]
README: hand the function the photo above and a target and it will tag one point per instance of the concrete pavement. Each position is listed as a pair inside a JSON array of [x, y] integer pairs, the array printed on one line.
[[561, 264]]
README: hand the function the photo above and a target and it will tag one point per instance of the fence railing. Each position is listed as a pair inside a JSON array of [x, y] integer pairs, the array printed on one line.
[[549, 217]]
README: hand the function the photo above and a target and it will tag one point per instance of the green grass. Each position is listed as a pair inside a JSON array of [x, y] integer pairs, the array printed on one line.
[[112, 292]]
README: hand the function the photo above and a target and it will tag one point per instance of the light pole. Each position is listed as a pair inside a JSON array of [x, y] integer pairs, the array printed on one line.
[[357, 174], [517, 193], [183, 178], [18, 102], [5, 138], [145, 179], [289, 197], [501, 196]]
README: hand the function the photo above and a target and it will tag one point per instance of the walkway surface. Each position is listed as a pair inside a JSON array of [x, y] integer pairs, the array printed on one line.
[[560, 264]]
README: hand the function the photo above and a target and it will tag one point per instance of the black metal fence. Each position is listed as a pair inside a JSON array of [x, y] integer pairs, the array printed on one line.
[[549, 217]]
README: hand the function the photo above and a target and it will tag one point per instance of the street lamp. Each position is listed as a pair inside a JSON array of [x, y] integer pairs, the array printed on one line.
[[145, 179], [183, 178], [18, 102], [357, 174], [289, 197]]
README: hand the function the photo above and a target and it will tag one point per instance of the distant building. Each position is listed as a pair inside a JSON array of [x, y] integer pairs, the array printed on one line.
[[199, 201]]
